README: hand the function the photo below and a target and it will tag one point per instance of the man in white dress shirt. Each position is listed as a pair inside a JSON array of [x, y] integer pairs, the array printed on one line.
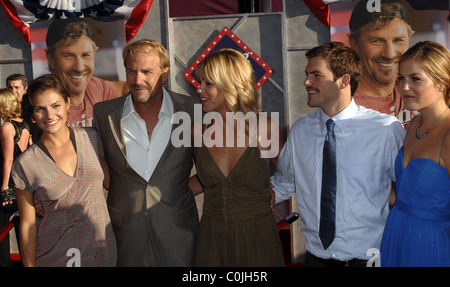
[[152, 209], [367, 143]]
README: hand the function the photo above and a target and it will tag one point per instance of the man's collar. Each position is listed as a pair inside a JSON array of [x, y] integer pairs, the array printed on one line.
[[166, 106], [341, 119]]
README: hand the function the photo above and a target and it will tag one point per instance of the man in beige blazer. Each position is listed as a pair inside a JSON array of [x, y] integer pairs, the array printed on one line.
[[152, 209]]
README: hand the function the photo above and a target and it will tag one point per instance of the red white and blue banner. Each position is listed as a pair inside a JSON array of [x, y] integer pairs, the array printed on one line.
[[24, 12], [320, 9]]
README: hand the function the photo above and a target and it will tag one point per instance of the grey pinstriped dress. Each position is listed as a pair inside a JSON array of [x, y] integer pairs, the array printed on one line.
[[76, 215]]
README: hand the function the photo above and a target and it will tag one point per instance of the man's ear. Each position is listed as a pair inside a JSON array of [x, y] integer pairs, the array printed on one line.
[[50, 61], [353, 43], [165, 75], [345, 81]]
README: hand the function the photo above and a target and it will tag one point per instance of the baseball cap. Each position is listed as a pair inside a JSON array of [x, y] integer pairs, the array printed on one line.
[[361, 15], [64, 28]]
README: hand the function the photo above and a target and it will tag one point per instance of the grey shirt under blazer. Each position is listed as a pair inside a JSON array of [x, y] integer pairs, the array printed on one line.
[[155, 222]]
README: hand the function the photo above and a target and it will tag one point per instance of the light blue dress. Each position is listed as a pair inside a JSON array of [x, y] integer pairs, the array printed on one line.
[[417, 231]]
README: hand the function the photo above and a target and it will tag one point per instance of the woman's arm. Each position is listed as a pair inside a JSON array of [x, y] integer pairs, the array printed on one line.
[[272, 142], [275, 139], [106, 173], [195, 185], [28, 228], [445, 155], [7, 134]]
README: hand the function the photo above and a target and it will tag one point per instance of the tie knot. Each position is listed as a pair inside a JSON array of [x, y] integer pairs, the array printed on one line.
[[330, 125]]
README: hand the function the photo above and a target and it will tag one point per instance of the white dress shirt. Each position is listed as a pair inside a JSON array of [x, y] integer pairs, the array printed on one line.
[[143, 154], [367, 143]]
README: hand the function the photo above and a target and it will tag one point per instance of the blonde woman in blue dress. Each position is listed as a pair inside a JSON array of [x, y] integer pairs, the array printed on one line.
[[417, 229]]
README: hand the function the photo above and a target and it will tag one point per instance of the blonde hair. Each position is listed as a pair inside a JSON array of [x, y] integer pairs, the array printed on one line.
[[435, 59], [232, 73], [10, 106], [147, 46]]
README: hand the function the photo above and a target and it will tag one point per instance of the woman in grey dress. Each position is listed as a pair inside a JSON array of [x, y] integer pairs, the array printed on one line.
[[62, 170]]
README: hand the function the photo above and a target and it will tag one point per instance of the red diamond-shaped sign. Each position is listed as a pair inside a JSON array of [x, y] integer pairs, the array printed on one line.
[[227, 39]]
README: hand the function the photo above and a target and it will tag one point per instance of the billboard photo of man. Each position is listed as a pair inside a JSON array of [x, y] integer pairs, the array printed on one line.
[[70, 54]]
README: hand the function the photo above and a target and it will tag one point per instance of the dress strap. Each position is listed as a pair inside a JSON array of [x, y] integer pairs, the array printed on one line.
[[442, 144], [41, 145], [18, 128], [409, 126]]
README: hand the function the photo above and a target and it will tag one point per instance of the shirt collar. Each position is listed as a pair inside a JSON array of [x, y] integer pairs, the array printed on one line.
[[341, 119], [166, 107], [127, 107]]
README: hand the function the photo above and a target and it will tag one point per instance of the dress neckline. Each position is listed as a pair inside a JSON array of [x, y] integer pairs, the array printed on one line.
[[41, 146], [234, 166], [416, 159]]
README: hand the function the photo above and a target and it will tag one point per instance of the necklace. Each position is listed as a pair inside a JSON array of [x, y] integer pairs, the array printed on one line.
[[418, 128]]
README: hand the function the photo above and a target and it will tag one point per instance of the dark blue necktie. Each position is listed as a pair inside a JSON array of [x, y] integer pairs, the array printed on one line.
[[328, 196]]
